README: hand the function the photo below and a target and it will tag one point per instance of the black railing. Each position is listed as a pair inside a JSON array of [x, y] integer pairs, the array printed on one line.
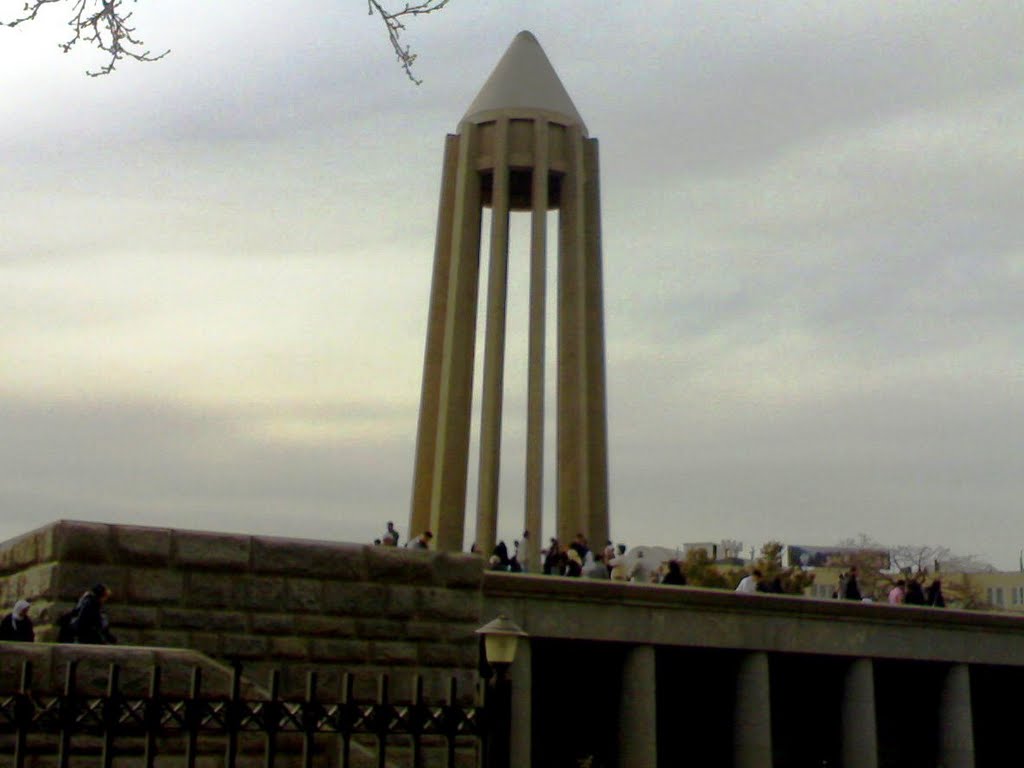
[[390, 733]]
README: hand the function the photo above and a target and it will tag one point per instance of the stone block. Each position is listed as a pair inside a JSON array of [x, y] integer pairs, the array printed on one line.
[[73, 579], [289, 648], [324, 626], [439, 631], [143, 546], [453, 569], [34, 583], [380, 628], [399, 566], [441, 603], [459, 655], [155, 585], [402, 602], [265, 593], [297, 557], [160, 637], [354, 598], [212, 551], [205, 642], [304, 595], [340, 651], [393, 652], [22, 552], [215, 590], [210, 621], [74, 541], [137, 616], [243, 646]]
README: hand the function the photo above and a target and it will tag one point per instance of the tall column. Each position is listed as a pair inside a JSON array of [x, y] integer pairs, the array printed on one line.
[[572, 384], [451, 460], [522, 705], [537, 339], [752, 723], [596, 412], [956, 727], [494, 348], [638, 713], [859, 736], [426, 431]]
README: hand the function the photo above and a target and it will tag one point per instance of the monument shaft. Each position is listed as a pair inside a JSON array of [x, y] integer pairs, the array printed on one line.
[[519, 157]]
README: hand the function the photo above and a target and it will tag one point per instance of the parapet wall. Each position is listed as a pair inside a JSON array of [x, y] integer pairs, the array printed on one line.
[[266, 602]]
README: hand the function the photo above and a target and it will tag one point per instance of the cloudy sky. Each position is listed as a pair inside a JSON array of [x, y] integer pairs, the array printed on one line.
[[214, 270]]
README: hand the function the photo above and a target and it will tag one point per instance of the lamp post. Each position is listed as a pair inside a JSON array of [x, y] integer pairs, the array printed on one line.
[[501, 637]]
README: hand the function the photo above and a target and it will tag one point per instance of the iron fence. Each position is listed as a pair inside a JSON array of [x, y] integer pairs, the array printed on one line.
[[115, 724]]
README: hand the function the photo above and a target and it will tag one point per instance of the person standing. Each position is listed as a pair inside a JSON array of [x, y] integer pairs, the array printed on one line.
[[748, 584], [934, 594], [898, 593], [422, 541], [91, 625], [851, 589], [16, 626]]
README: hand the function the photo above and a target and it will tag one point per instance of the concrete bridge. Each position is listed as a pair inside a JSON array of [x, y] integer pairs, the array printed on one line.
[[630, 675]]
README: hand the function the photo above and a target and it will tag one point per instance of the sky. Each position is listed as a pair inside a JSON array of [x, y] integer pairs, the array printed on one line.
[[215, 269]]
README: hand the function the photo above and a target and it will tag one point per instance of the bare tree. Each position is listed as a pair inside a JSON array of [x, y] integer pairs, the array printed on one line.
[[105, 25]]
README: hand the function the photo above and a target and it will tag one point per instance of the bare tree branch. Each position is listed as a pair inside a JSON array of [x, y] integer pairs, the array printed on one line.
[[393, 21], [102, 23]]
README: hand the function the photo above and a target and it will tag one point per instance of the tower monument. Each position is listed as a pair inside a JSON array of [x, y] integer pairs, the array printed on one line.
[[521, 146]]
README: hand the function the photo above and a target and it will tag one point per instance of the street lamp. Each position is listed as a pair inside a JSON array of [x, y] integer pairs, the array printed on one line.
[[501, 637]]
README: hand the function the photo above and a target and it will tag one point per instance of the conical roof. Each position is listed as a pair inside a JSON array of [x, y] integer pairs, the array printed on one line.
[[524, 79]]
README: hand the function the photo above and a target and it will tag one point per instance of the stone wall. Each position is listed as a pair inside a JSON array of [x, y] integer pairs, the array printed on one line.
[[267, 602]]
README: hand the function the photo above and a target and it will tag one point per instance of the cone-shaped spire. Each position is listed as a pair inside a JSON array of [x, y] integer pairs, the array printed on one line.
[[524, 79]]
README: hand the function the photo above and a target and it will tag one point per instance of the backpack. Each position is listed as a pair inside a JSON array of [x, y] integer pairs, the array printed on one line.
[[67, 625]]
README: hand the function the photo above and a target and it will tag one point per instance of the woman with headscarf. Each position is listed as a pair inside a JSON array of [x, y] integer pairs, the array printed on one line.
[[16, 625]]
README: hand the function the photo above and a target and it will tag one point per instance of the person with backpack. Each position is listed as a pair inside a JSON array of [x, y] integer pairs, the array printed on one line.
[[90, 624], [16, 626]]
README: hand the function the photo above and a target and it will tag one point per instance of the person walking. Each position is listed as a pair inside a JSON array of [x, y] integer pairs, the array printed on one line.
[[16, 626], [851, 589], [91, 625]]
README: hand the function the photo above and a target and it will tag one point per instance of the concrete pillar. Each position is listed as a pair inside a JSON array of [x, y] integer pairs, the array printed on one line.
[[596, 411], [522, 705], [537, 338], [752, 722], [859, 735], [426, 431], [571, 439], [494, 348], [956, 728], [451, 459], [638, 715]]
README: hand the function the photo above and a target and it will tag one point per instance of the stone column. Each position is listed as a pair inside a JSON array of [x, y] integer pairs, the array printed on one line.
[[857, 716], [426, 431], [494, 348], [956, 729], [537, 334], [571, 439], [596, 411], [638, 715], [522, 704], [752, 723], [451, 454]]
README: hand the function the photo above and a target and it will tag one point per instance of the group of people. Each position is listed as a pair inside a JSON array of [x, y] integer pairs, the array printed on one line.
[[903, 591], [755, 582], [910, 592], [86, 623], [391, 537]]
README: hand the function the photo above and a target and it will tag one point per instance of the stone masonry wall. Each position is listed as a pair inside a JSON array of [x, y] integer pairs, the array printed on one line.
[[267, 602]]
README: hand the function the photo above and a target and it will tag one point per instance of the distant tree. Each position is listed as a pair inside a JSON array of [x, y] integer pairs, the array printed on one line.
[[105, 25], [794, 580], [700, 571], [880, 566]]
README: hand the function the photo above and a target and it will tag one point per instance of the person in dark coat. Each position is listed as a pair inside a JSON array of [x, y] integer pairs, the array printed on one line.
[[16, 626], [934, 594], [851, 590], [674, 574], [914, 594], [90, 624]]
